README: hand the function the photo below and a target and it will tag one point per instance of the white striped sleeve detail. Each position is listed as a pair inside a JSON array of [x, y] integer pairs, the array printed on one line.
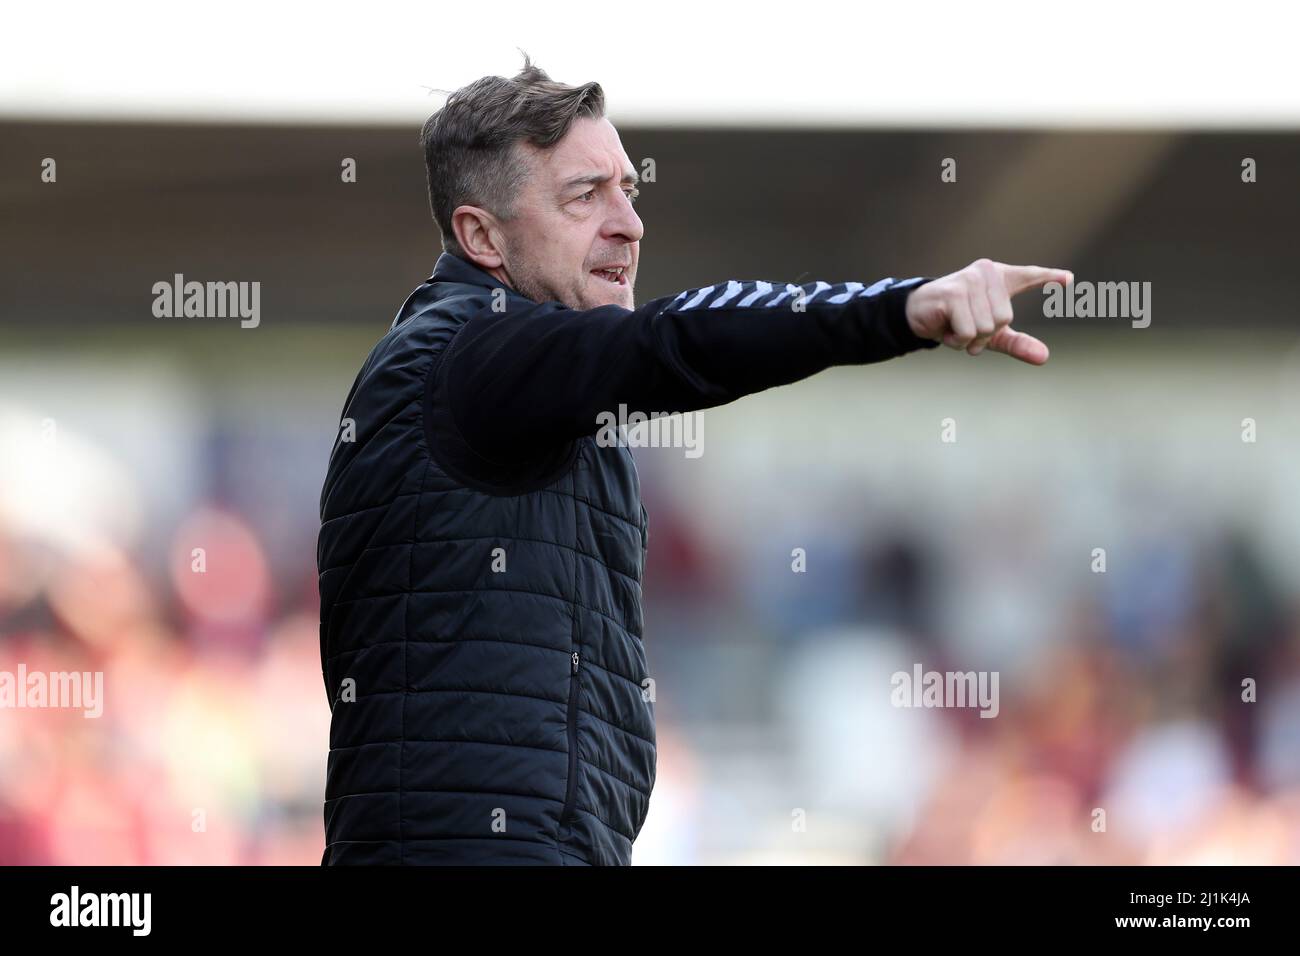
[[751, 294], [818, 289], [734, 289], [850, 290], [699, 297], [770, 303], [761, 289]]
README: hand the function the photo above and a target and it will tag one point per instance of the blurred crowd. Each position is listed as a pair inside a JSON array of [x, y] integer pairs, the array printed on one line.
[[1145, 717], [210, 748]]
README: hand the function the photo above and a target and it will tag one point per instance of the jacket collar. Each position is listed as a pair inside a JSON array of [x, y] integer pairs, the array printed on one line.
[[451, 268]]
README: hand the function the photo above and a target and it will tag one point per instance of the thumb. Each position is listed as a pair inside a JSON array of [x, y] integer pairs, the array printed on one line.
[[1019, 345]]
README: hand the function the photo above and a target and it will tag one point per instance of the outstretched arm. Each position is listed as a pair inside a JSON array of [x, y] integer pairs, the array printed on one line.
[[515, 383]]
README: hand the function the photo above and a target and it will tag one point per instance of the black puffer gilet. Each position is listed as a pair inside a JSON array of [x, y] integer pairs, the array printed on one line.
[[481, 648]]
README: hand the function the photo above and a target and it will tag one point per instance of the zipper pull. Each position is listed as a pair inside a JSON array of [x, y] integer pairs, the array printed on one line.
[[575, 662]]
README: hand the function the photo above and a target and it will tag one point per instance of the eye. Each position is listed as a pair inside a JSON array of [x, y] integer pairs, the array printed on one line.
[[632, 194], [589, 193]]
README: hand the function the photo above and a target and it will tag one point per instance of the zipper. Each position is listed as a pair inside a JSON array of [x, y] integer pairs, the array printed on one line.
[[573, 740]]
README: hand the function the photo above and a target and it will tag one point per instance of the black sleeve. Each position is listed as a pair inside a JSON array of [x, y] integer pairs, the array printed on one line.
[[513, 386]]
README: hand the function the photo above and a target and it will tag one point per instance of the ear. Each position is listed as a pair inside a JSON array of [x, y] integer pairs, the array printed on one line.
[[477, 233]]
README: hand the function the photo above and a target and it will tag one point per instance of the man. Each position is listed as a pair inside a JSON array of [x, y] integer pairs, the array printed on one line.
[[480, 552]]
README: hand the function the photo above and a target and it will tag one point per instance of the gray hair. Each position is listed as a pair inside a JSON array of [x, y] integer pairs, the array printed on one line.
[[470, 145]]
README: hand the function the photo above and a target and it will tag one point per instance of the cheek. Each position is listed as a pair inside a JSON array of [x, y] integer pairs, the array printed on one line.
[[562, 249], [564, 253]]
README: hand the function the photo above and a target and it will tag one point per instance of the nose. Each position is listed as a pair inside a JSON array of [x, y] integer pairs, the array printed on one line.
[[623, 223]]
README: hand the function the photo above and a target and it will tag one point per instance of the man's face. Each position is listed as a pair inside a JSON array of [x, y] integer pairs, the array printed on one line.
[[573, 218]]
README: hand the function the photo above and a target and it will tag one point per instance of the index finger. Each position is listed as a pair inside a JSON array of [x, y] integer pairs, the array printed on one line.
[[1017, 279]]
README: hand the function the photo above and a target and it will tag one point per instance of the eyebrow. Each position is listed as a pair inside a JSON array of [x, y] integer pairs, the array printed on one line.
[[594, 179]]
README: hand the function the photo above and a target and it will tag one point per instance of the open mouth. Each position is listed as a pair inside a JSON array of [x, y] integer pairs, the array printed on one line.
[[613, 276]]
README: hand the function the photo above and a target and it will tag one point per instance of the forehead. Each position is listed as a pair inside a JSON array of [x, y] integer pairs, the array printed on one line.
[[590, 146]]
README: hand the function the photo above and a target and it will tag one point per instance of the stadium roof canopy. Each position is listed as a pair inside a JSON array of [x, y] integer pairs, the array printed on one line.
[[758, 64]]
